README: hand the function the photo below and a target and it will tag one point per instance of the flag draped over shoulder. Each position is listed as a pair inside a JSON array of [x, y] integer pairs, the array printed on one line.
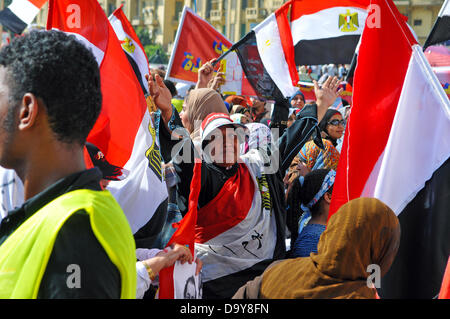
[[20, 13], [394, 150], [124, 131]]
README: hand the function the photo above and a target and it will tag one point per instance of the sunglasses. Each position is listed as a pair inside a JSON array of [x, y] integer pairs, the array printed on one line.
[[337, 122]]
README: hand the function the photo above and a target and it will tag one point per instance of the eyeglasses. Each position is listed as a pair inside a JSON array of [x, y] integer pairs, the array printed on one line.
[[337, 122]]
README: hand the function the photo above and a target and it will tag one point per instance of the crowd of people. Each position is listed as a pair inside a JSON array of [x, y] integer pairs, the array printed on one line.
[[263, 195]]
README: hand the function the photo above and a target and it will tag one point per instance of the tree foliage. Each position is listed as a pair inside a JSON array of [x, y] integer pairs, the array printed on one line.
[[151, 49]]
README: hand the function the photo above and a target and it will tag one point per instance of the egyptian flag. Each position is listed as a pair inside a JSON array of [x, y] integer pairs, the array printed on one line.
[[124, 131], [131, 45], [441, 28], [327, 31], [266, 54], [20, 13], [395, 149]]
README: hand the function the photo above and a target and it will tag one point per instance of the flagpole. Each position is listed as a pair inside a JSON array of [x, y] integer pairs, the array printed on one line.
[[231, 49]]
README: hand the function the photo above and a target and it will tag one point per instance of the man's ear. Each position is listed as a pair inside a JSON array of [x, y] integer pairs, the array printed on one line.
[[28, 111], [327, 197]]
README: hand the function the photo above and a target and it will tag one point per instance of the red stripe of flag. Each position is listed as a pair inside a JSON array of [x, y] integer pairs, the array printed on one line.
[[305, 7], [286, 40], [123, 105]]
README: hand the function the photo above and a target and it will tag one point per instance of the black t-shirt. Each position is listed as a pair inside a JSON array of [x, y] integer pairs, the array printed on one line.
[[78, 266]]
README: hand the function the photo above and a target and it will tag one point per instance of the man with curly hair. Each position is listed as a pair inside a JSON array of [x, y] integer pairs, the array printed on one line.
[[70, 239]]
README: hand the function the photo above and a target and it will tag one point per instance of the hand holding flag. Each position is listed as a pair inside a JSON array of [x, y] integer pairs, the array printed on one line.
[[205, 74]]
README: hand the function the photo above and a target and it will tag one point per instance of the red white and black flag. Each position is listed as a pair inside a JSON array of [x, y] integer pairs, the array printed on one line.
[[327, 31], [441, 29], [124, 131], [396, 149], [266, 54], [131, 45], [19, 14]]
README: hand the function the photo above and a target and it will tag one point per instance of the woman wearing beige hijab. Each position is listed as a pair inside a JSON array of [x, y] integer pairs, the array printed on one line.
[[200, 103], [362, 232]]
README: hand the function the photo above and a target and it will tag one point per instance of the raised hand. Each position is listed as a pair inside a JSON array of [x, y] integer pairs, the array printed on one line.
[[205, 74], [326, 95], [217, 81], [160, 95]]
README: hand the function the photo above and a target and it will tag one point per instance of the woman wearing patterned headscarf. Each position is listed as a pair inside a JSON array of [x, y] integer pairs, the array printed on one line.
[[332, 126], [363, 232], [311, 194]]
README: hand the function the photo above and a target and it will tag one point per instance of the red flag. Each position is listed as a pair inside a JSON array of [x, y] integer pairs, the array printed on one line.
[[394, 150], [124, 131], [196, 43], [375, 99], [87, 21]]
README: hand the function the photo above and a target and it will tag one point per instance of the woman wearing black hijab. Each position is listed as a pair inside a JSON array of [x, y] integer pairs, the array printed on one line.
[[332, 125]]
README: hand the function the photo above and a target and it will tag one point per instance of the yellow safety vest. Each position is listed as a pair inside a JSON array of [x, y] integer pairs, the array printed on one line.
[[24, 255]]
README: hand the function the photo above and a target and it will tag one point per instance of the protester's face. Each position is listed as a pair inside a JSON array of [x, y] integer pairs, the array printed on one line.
[[335, 131], [224, 146], [183, 116], [257, 104], [298, 102], [8, 121]]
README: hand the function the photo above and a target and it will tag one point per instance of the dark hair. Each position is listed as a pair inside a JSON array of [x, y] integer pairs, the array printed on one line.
[[324, 122], [303, 195], [311, 186], [328, 115], [171, 86], [63, 73]]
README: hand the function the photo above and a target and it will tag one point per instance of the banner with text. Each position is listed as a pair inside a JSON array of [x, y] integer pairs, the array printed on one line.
[[198, 42]]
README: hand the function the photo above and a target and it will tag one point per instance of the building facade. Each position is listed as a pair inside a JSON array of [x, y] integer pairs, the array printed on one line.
[[421, 15], [235, 18]]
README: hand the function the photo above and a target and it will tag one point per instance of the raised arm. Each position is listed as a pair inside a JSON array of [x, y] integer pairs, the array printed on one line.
[[293, 138]]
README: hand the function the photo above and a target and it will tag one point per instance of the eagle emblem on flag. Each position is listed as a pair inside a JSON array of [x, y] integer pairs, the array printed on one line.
[[348, 22], [153, 154], [128, 45]]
